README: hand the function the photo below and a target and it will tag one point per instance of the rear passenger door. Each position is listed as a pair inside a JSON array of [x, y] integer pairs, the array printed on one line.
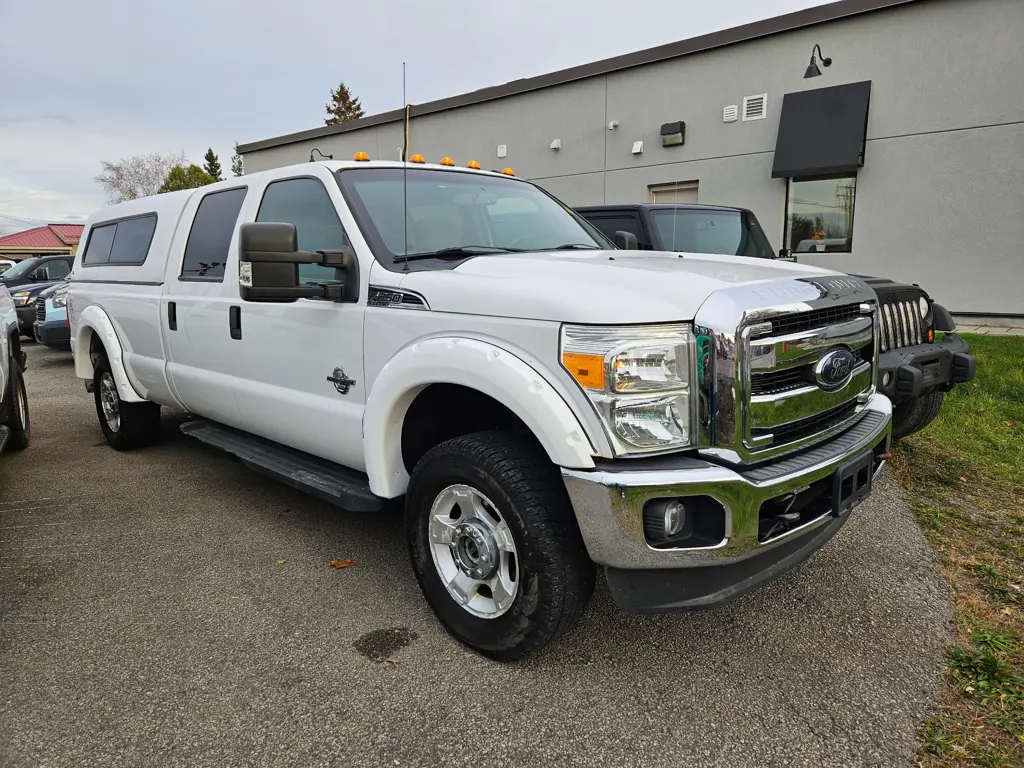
[[196, 307], [290, 350]]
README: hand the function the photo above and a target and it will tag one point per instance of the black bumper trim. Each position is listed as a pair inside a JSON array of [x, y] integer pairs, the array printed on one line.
[[689, 589], [910, 372], [52, 334]]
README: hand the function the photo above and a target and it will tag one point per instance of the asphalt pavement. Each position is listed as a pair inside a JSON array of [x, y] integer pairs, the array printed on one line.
[[169, 607]]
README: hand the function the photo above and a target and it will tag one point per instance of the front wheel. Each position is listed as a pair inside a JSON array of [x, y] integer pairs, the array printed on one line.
[[16, 399], [125, 425], [914, 415], [495, 545]]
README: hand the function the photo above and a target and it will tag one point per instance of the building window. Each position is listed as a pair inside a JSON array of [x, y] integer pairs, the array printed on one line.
[[679, 192], [819, 215]]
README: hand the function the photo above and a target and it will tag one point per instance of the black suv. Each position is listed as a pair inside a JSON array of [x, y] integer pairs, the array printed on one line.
[[915, 367], [26, 279]]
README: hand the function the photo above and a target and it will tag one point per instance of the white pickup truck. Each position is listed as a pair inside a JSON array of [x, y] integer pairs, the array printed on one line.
[[367, 331]]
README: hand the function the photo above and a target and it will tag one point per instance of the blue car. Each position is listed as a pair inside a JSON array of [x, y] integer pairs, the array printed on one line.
[[51, 327]]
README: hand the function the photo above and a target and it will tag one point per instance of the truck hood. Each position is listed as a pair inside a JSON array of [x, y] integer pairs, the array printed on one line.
[[593, 286]]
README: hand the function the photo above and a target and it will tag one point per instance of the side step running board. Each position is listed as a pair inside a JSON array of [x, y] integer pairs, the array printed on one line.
[[318, 477]]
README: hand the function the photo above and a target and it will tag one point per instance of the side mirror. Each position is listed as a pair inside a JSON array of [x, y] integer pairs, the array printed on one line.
[[626, 241], [268, 266]]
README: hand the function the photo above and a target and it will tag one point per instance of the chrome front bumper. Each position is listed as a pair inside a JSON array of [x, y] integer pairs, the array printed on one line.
[[609, 501]]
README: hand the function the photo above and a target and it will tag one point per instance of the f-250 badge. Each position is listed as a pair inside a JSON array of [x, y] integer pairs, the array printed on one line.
[[341, 381]]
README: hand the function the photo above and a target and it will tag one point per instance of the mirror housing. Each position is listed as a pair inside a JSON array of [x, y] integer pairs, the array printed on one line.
[[268, 266], [785, 254], [626, 241]]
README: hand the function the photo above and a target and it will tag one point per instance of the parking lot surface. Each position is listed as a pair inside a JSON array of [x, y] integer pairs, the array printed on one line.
[[170, 607]]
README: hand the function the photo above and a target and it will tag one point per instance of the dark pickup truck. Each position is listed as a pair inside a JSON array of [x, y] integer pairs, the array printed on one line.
[[915, 365]]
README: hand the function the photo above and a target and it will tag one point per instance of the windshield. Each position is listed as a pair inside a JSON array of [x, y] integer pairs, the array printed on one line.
[[460, 213], [735, 233], [21, 268]]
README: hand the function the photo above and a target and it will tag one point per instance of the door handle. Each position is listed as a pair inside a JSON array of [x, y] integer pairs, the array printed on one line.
[[235, 322], [172, 315]]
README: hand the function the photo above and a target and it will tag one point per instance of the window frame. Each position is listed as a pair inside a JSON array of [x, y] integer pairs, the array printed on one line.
[[107, 222], [182, 277], [641, 231], [788, 246]]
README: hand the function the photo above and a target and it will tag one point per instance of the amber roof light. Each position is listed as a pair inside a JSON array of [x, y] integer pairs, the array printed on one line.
[[508, 171], [447, 161], [473, 164], [417, 159], [361, 157]]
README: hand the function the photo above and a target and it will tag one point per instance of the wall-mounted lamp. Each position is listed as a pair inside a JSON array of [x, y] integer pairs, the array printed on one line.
[[314, 149], [502, 150], [638, 147], [673, 134], [613, 125], [555, 145], [812, 68]]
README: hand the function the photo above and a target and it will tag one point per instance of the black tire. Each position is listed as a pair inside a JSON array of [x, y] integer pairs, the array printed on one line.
[[555, 577], [137, 424], [16, 416], [914, 415]]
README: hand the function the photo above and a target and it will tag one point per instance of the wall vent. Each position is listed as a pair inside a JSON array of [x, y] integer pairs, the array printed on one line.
[[730, 114], [755, 107]]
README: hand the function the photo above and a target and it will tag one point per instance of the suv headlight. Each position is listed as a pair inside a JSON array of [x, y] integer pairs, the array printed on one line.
[[639, 380], [22, 298], [60, 299]]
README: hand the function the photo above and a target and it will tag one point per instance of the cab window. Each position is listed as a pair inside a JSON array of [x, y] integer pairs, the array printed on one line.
[[306, 204]]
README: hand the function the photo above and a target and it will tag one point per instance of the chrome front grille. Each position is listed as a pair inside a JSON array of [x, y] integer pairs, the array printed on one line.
[[41, 309], [901, 325], [789, 374]]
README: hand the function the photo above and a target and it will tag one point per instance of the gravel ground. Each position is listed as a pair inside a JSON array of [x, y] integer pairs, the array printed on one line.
[[146, 619]]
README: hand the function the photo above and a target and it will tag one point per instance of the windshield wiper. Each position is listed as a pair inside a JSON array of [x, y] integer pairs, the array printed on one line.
[[573, 247], [456, 252]]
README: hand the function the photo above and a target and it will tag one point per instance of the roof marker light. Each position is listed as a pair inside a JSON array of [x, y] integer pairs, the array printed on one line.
[[508, 171], [473, 164], [417, 159], [361, 157], [447, 161]]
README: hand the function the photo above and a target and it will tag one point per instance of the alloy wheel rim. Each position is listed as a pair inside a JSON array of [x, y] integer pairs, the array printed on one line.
[[473, 551], [110, 402]]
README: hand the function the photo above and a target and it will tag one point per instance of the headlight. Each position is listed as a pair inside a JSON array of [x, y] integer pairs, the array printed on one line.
[[21, 299], [922, 304], [638, 378], [60, 300]]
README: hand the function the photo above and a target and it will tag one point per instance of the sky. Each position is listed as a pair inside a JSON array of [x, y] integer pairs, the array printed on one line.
[[81, 83]]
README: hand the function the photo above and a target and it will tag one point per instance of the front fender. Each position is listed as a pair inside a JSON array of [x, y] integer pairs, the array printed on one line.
[[94, 320], [480, 366]]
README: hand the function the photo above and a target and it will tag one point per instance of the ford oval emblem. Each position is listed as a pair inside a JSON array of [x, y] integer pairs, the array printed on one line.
[[834, 370]]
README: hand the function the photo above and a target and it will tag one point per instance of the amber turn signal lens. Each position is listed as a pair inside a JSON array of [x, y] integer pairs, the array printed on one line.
[[931, 335], [588, 370]]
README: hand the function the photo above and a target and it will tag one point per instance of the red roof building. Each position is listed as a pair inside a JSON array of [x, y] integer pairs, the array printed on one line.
[[53, 238]]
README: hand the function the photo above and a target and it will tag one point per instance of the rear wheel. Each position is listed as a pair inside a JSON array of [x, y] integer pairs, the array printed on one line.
[[125, 425], [16, 404], [494, 544]]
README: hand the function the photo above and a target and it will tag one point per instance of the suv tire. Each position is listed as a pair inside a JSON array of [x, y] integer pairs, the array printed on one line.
[[914, 415], [124, 425], [522, 507]]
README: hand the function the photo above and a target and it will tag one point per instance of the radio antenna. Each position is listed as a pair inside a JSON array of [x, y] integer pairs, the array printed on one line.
[[405, 174]]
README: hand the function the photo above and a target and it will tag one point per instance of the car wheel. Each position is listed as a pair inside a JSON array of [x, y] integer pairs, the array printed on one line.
[[16, 399], [495, 545], [914, 415], [124, 425]]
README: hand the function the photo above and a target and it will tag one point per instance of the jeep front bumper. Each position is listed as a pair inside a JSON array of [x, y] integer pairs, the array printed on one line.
[[909, 372], [609, 503]]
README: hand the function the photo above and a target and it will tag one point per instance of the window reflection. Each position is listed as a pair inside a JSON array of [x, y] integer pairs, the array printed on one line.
[[819, 215]]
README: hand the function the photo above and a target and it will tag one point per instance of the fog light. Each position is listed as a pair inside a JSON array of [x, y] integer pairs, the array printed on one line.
[[675, 518], [886, 379]]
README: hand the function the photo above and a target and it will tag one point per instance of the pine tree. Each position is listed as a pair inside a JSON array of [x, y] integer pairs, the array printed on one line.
[[342, 107], [212, 165], [236, 162]]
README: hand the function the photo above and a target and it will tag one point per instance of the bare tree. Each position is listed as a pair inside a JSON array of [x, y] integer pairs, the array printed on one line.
[[133, 177]]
